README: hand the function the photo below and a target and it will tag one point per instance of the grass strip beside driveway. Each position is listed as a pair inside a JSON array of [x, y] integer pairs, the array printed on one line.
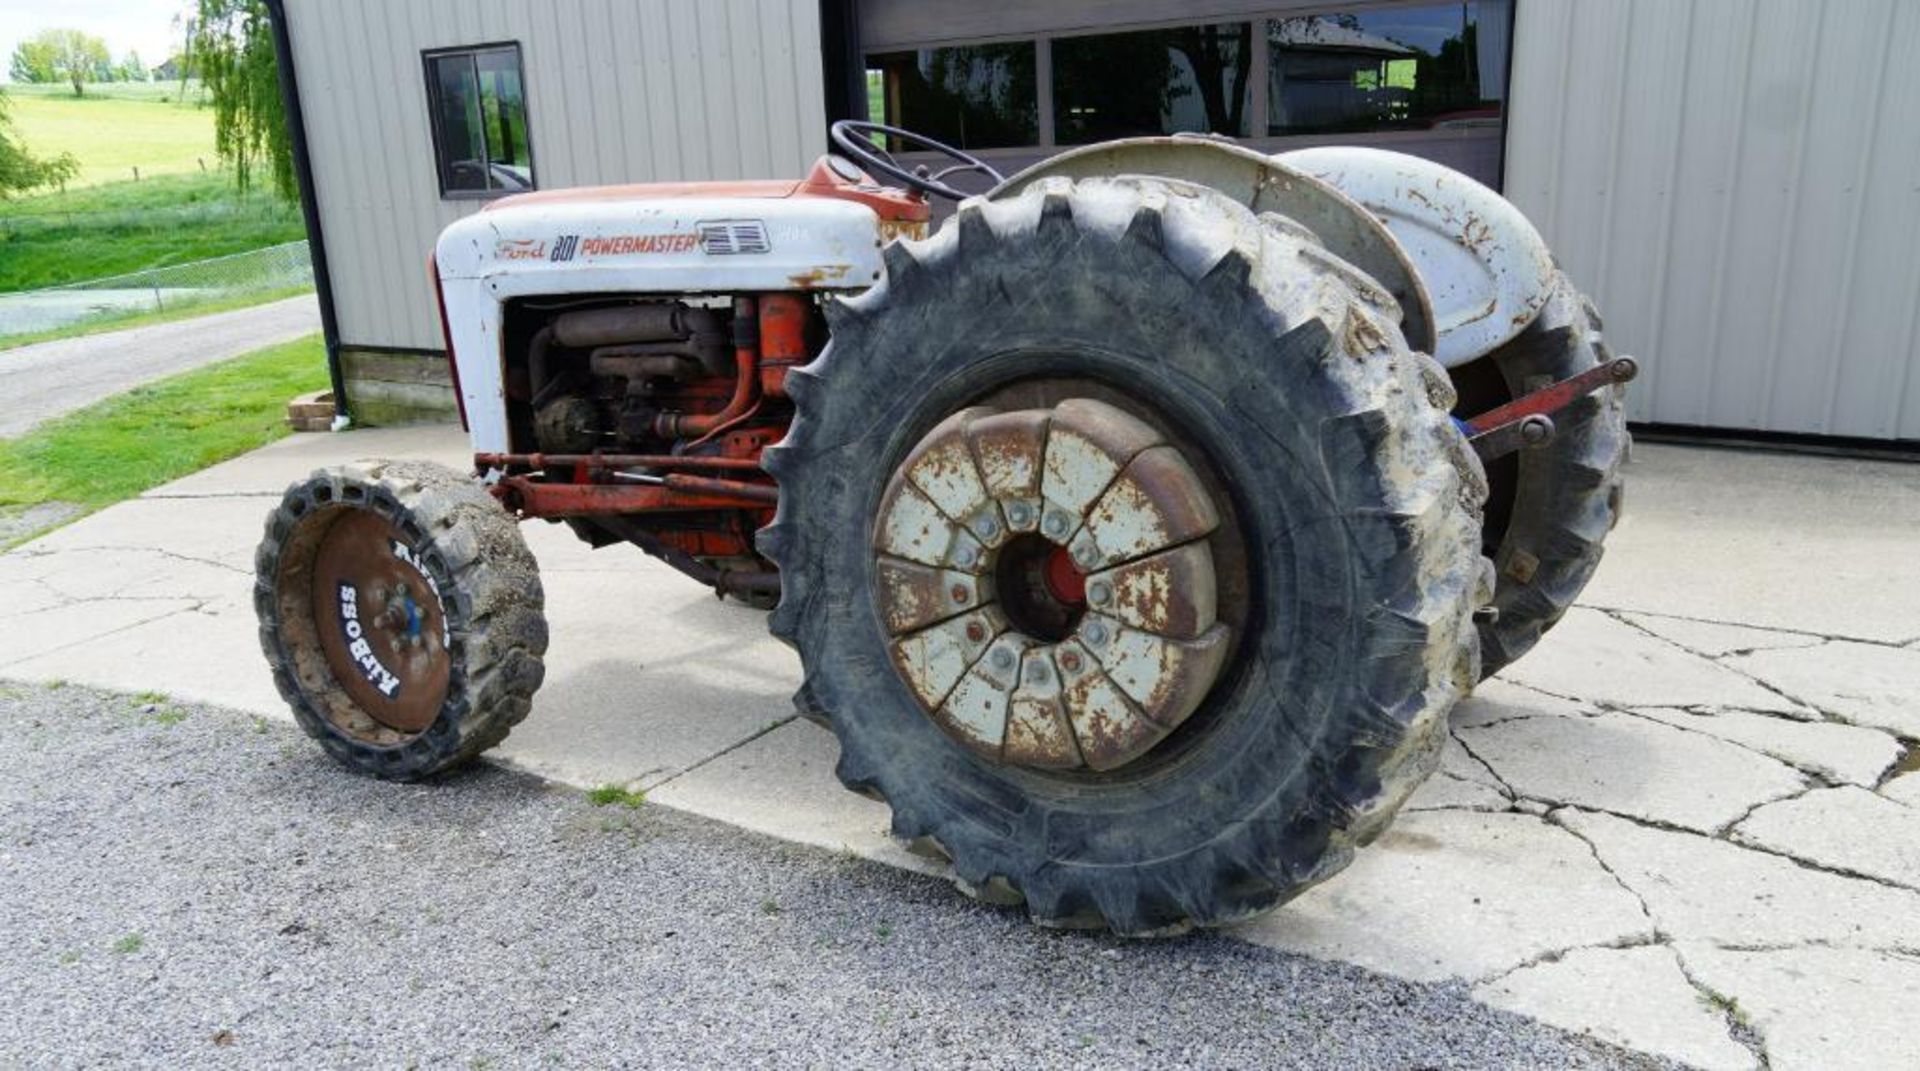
[[117, 448]]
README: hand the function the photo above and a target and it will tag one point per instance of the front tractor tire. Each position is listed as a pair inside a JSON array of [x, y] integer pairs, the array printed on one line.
[[1230, 658], [401, 614]]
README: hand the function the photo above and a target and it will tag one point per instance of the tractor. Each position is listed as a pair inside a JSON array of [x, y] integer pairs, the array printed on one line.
[[1137, 526]]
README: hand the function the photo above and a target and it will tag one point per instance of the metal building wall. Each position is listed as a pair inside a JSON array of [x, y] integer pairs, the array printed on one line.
[[617, 91], [1737, 182]]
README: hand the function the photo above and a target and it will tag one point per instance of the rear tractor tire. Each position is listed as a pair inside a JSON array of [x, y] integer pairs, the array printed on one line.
[[1552, 507], [1129, 552], [401, 613]]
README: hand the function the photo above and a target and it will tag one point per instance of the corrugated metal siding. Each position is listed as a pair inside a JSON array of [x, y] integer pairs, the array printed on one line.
[[1738, 185], [617, 91]]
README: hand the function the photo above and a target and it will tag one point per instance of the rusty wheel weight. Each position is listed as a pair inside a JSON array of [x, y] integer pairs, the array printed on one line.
[[381, 622], [1046, 580]]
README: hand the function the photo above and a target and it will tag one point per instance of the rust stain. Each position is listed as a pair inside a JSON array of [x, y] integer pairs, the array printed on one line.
[[815, 278]]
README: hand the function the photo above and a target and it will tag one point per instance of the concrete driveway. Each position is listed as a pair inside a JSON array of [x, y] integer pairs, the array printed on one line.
[[1688, 823], [46, 379]]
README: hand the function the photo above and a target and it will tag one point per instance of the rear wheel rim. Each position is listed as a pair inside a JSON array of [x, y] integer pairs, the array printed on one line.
[[381, 623], [1047, 585]]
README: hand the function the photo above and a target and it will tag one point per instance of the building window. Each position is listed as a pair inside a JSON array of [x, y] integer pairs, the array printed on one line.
[[478, 102], [971, 96], [1190, 78], [1390, 68]]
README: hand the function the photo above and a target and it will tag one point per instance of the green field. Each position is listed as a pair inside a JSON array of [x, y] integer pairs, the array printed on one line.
[[116, 128], [89, 232]]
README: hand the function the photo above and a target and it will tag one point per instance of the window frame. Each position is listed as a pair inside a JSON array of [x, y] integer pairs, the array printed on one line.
[[440, 157]]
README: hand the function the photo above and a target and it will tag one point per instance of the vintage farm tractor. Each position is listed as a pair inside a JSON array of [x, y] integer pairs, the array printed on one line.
[[1137, 528]]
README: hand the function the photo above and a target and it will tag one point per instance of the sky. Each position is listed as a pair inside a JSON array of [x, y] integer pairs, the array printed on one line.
[[142, 25]]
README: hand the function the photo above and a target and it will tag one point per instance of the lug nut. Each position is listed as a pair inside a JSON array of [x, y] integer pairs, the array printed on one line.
[[965, 556], [1055, 524], [1002, 658], [976, 632], [959, 593], [1095, 633], [1019, 513], [1084, 555], [1098, 593], [1070, 661], [985, 527]]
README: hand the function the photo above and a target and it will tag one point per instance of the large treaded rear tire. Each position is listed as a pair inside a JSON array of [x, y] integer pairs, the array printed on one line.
[[489, 591], [1567, 494], [1356, 497]]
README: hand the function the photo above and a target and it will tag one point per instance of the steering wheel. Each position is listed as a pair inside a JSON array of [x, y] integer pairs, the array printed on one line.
[[851, 136]]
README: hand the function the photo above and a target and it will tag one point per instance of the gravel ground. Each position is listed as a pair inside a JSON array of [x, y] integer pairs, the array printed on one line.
[[182, 885]]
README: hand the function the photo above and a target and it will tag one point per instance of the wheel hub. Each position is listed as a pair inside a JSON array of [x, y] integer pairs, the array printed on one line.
[[380, 622], [1047, 582]]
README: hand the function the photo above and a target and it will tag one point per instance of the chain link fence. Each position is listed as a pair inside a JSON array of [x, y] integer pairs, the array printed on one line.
[[275, 269]]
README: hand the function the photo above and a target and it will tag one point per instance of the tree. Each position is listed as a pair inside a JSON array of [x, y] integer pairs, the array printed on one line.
[[69, 56], [20, 170], [33, 62], [230, 44], [131, 69]]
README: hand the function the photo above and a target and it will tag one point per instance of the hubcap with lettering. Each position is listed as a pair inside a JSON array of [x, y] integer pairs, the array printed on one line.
[[381, 622]]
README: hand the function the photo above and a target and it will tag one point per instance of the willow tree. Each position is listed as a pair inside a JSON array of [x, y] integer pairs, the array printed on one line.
[[20, 170], [230, 45]]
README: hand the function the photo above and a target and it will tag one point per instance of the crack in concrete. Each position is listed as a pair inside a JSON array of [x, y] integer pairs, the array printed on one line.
[[1594, 850], [723, 752], [1612, 611], [1817, 775], [195, 608], [1736, 670], [1748, 845], [1810, 864], [1739, 1028], [1503, 787], [36, 553], [1555, 955], [1725, 832]]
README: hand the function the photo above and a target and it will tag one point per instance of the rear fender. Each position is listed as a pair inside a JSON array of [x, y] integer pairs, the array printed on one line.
[[1487, 269], [1264, 184]]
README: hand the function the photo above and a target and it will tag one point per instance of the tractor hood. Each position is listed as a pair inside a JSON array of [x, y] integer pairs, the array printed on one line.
[[682, 238]]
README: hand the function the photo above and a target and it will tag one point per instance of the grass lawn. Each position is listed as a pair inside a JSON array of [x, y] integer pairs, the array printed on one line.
[[113, 134], [88, 232], [117, 448]]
